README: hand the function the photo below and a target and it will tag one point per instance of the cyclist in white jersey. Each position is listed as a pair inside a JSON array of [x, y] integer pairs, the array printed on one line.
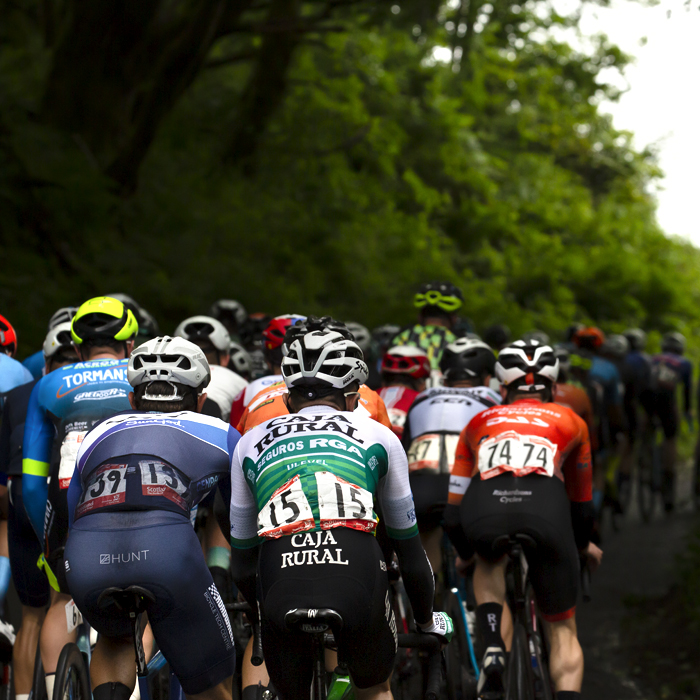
[[304, 491], [433, 424]]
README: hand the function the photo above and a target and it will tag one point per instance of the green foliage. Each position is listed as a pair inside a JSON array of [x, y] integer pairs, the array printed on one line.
[[373, 166]]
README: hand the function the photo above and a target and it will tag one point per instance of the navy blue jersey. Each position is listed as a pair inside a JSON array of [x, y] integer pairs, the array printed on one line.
[[14, 413], [151, 461]]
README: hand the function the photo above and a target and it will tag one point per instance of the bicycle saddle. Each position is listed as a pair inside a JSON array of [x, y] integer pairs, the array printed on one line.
[[129, 599], [313, 620], [505, 543]]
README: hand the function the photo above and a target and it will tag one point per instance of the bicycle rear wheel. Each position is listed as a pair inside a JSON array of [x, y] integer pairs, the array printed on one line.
[[460, 676], [72, 682], [519, 678]]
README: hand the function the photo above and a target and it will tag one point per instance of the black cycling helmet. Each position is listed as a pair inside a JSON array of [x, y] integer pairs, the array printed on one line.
[[314, 323], [674, 343], [572, 330], [497, 336], [439, 295], [636, 337], [467, 358]]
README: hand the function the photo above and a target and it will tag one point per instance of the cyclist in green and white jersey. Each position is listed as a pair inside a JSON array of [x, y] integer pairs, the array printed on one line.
[[304, 492]]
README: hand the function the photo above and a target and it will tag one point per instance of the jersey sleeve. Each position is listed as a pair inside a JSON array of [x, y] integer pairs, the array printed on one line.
[[577, 466], [397, 500], [381, 415], [244, 512], [462, 469]]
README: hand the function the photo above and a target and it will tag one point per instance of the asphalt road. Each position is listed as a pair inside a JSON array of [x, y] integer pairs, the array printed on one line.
[[638, 559]]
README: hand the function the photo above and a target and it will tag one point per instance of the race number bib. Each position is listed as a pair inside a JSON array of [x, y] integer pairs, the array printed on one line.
[[433, 451], [288, 511], [160, 479], [69, 453], [520, 454], [342, 504], [107, 487]]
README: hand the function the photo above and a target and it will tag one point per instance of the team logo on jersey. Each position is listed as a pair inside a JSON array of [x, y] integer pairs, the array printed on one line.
[[100, 395]]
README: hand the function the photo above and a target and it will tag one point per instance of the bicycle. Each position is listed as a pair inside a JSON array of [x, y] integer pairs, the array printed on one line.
[[527, 674], [323, 624], [648, 471]]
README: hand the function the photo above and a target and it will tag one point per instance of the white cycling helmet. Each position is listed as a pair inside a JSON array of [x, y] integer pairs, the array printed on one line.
[[58, 337], [240, 359], [527, 365], [229, 309], [63, 315], [205, 328], [361, 335], [172, 360], [324, 358]]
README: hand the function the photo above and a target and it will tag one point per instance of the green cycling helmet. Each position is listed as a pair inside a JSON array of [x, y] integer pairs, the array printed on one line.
[[103, 318], [444, 295]]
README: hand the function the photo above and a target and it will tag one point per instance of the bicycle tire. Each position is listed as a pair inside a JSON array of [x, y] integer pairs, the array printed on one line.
[[519, 681], [72, 681], [38, 691], [460, 676]]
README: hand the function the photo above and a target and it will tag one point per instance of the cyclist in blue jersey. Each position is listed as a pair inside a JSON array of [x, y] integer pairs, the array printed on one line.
[[137, 478], [12, 373], [24, 547], [669, 369], [63, 406], [36, 363]]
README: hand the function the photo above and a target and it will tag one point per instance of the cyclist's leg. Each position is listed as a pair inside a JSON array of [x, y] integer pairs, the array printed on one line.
[[251, 675], [31, 586], [668, 416], [376, 692], [113, 662], [54, 636], [565, 655]]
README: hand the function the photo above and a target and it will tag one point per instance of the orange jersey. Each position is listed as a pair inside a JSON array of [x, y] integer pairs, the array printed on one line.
[[525, 437], [269, 404], [577, 400]]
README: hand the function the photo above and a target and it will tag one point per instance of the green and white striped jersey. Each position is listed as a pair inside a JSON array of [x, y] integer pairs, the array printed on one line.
[[316, 470]]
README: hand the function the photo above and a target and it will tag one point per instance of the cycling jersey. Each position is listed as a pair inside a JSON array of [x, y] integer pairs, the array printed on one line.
[[12, 374], [432, 339], [248, 393], [318, 469], [223, 388], [269, 403], [438, 412], [668, 370], [63, 406], [525, 437], [398, 400], [150, 461], [35, 364], [575, 398]]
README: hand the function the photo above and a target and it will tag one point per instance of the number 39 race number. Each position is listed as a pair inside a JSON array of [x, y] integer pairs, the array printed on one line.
[[521, 454]]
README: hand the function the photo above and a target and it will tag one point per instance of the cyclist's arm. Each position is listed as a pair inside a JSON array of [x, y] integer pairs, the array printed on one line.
[[460, 478], [382, 415], [579, 486], [244, 530], [74, 492], [400, 519], [38, 438], [406, 438]]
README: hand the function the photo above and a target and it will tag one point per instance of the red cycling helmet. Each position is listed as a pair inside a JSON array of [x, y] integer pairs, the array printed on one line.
[[590, 338], [273, 336], [8, 337], [406, 359]]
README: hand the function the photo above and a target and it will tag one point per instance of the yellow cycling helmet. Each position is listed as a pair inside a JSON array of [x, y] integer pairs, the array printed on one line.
[[103, 318], [444, 295]]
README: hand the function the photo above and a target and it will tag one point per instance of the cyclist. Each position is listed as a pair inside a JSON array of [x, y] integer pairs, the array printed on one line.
[[240, 362], [252, 341], [304, 485], [211, 335], [270, 402], [273, 338], [63, 406], [12, 373], [524, 467], [404, 371], [437, 417], [602, 380], [148, 326], [438, 303], [669, 369], [36, 363], [232, 314], [137, 477], [24, 547]]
